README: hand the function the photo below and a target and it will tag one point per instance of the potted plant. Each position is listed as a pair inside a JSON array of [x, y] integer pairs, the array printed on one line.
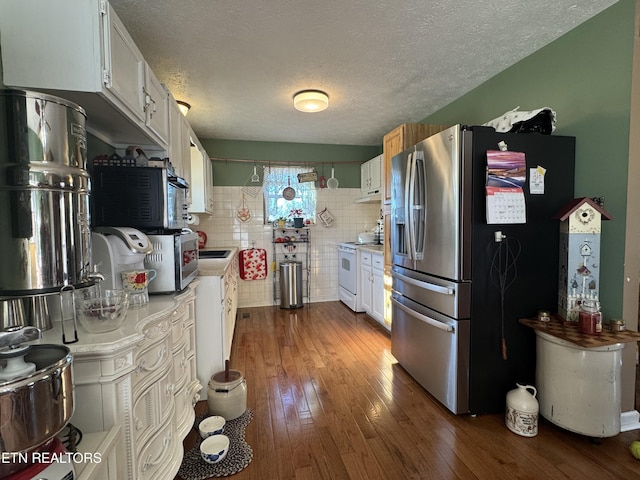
[[281, 222], [296, 215]]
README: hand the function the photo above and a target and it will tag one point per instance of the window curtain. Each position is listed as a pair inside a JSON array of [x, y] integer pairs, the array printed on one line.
[[276, 179]]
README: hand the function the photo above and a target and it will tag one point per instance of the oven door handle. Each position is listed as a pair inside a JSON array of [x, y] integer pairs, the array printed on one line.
[[431, 321]]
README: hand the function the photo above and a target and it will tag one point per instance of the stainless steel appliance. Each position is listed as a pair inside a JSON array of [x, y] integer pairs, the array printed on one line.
[[147, 198], [460, 285], [44, 194], [175, 258]]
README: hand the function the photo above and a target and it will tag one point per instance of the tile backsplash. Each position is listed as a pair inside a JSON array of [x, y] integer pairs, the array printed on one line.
[[223, 228]]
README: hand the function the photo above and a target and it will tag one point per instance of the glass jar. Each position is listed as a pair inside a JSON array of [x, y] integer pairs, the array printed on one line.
[[590, 318]]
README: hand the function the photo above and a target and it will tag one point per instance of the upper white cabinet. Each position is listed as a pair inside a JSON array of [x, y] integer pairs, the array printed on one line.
[[371, 179], [92, 61], [201, 179], [156, 105], [179, 142]]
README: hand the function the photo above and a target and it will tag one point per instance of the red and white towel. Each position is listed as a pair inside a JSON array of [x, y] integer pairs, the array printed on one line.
[[253, 264]]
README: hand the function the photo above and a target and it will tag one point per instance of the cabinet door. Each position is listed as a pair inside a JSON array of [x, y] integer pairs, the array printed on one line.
[[156, 106], [391, 145], [364, 179], [124, 66], [375, 174], [365, 290], [377, 289], [208, 185], [386, 217], [185, 150], [175, 137], [201, 182]]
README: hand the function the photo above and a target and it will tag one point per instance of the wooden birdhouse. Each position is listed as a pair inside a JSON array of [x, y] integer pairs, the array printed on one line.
[[579, 263]]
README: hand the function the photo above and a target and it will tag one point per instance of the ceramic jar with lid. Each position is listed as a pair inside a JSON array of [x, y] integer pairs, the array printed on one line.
[[227, 394], [521, 416]]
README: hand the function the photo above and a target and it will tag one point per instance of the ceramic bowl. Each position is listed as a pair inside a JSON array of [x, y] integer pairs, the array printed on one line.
[[213, 449], [213, 425]]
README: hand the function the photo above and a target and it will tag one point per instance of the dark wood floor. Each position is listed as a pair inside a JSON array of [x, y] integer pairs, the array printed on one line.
[[330, 402]]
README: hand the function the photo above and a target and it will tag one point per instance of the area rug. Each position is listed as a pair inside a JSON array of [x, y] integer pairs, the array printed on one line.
[[240, 453]]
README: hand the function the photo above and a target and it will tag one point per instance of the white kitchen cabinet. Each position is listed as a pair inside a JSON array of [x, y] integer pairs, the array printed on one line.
[[216, 307], [179, 142], [94, 63], [377, 289], [372, 284], [135, 388], [201, 179], [366, 278], [156, 105], [371, 178]]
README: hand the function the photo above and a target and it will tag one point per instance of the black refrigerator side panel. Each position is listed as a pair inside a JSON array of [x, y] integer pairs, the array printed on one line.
[[532, 280]]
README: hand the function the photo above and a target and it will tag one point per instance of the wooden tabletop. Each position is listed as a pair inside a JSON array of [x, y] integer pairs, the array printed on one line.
[[568, 331]]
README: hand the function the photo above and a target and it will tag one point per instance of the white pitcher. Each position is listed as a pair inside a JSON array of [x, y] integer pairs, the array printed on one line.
[[521, 416]]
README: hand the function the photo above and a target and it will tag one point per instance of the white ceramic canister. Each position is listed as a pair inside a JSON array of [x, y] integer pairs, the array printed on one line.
[[227, 394], [521, 416]]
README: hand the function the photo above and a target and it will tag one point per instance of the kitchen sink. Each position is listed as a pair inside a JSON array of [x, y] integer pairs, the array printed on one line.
[[214, 253]]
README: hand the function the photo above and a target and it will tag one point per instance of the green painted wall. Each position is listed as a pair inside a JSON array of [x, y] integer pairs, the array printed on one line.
[[229, 173], [585, 76]]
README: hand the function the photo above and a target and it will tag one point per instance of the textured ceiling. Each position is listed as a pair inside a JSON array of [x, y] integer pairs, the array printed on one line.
[[382, 62]]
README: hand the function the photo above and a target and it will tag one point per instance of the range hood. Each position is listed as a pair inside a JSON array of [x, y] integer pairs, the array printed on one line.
[[377, 198]]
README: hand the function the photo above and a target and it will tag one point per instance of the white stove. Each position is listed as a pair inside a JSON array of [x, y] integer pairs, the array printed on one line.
[[349, 274]]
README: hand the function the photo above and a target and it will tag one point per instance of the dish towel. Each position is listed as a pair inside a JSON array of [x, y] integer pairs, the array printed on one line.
[[253, 264]]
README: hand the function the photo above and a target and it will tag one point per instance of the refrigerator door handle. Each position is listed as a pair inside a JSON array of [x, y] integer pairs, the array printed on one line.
[[411, 178], [408, 188], [431, 321], [419, 205], [426, 285]]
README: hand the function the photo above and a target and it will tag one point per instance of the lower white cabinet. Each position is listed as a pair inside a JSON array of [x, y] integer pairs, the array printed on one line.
[[216, 307], [137, 383], [372, 284]]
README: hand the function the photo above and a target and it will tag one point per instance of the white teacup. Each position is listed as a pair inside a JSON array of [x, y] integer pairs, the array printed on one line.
[[136, 281]]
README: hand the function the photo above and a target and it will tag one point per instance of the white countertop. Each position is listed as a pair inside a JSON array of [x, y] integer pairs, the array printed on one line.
[[372, 248], [216, 267], [130, 332]]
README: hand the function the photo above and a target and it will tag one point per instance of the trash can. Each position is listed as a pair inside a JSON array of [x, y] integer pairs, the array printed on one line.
[[291, 284]]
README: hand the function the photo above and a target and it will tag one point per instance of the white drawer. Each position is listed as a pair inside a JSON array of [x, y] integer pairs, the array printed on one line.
[[365, 258], [181, 371], [178, 319], [151, 361], [378, 262], [145, 414], [157, 454]]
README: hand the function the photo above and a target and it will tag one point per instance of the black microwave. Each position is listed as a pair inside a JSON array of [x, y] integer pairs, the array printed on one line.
[[146, 198]]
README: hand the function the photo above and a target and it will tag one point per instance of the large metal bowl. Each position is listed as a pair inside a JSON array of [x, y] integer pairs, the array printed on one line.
[[35, 408]]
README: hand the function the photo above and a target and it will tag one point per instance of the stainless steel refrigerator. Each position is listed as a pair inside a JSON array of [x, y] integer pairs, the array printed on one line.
[[460, 284]]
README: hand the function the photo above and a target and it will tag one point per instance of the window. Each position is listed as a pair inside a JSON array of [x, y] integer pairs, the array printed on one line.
[[276, 179]]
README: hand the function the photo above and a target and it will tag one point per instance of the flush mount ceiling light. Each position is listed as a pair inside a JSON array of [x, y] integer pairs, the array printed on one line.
[[311, 101], [183, 106]]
